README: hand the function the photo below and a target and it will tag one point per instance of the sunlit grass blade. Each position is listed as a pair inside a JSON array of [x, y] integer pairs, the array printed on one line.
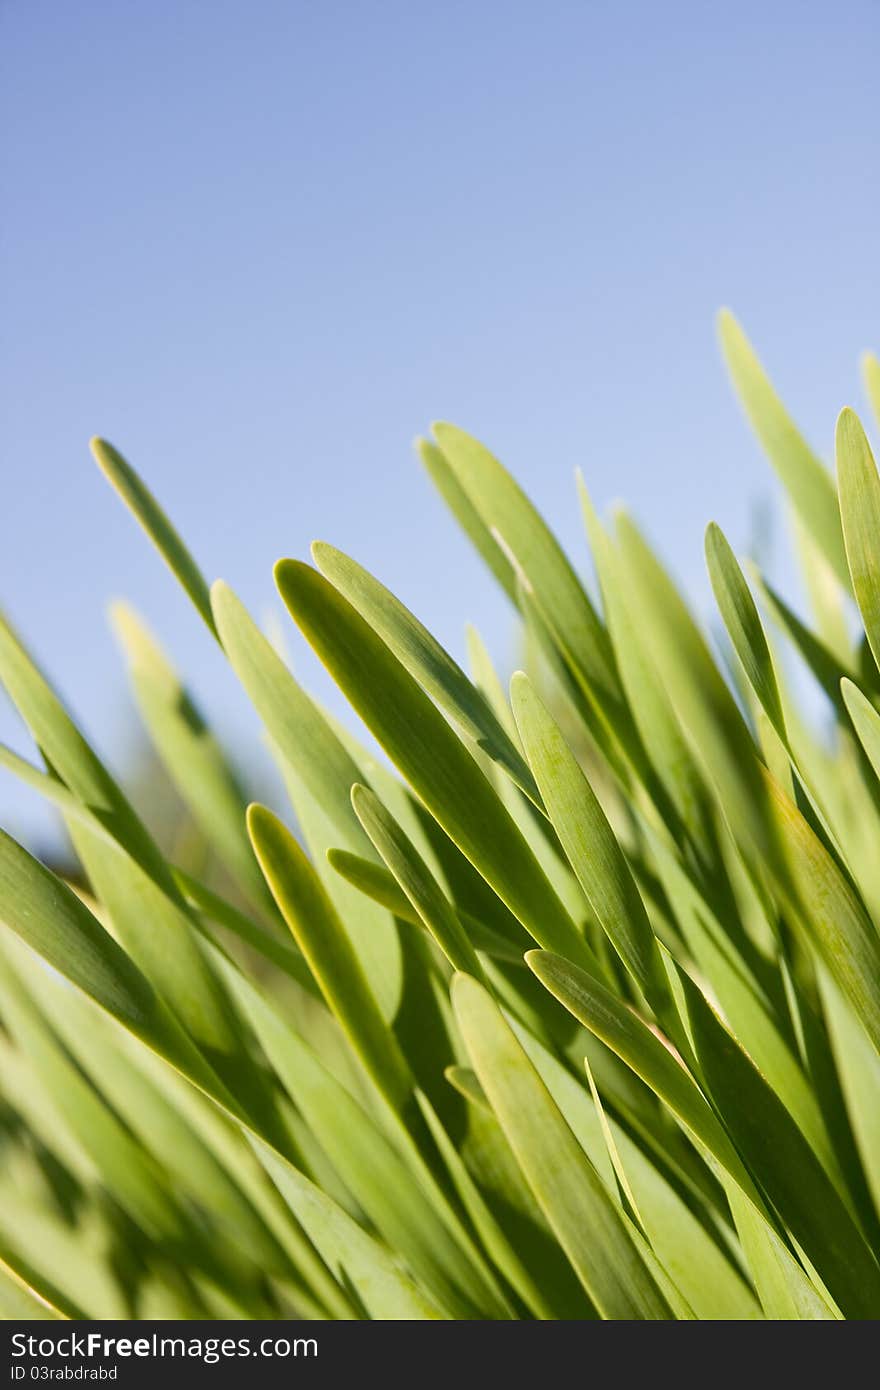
[[590, 844], [384, 1290], [298, 729], [20, 1303], [859, 488], [50, 918], [740, 616], [564, 1182], [376, 882], [830, 910], [411, 872], [425, 659], [321, 938], [784, 1164], [807, 481], [446, 481], [157, 525], [428, 753], [372, 1170]]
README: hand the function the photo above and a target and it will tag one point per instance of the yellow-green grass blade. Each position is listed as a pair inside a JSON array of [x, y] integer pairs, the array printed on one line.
[[865, 721], [803, 475], [427, 662], [190, 753], [858, 1066], [372, 1170], [497, 1245], [740, 617], [320, 761], [859, 489], [428, 753], [376, 882], [700, 1271], [444, 478], [211, 907], [49, 916], [164, 941], [145, 1108], [784, 1289], [829, 910], [157, 525], [653, 714], [135, 1180], [386, 1292], [415, 879], [131, 876], [783, 1163], [702, 700], [320, 936], [565, 1184], [590, 844], [55, 1260], [510, 517], [20, 1303], [633, 1041]]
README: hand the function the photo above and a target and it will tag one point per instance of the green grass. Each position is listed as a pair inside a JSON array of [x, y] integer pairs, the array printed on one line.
[[569, 1009]]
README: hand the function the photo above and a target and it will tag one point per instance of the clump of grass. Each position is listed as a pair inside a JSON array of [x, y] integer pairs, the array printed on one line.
[[572, 1010]]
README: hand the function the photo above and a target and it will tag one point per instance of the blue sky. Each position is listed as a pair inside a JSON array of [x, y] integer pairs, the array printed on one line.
[[260, 246]]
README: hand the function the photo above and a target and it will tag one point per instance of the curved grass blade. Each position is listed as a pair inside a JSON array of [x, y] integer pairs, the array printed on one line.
[[376, 882], [804, 477], [590, 844], [865, 721], [740, 616], [508, 514], [323, 941], [564, 1182], [358, 1261], [414, 877], [859, 489], [320, 762], [157, 525], [784, 1164], [427, 662], [428, 753], [20, 1303], [371, 1169]]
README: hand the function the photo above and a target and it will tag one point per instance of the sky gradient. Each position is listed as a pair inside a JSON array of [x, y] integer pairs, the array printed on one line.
[[261, 246]]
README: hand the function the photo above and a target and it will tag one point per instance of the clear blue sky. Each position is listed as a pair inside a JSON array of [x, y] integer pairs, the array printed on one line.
[[261, 245]]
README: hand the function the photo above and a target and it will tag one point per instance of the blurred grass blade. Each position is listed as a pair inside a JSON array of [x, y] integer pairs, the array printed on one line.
[[804, 477], [412, 874], [830, 910], [871, 378], [158, 527], [784, 1164], [46, 914], [378, 883], [564, 1182], [444, 478], [189, 753]]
